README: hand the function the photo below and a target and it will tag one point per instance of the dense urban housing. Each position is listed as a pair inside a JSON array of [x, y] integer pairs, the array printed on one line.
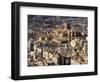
[[57, 40]]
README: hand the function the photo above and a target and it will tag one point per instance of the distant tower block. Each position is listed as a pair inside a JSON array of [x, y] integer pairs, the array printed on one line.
[[32, 45], [35, 47], [29, 45], [68, 29], [68, 33], [63, 60], [68, 26]]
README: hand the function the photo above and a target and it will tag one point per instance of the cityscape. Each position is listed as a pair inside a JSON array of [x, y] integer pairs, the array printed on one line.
[[57, 40]]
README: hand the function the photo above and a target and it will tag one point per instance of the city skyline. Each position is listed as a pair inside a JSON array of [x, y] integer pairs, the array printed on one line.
[[57, 40]]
